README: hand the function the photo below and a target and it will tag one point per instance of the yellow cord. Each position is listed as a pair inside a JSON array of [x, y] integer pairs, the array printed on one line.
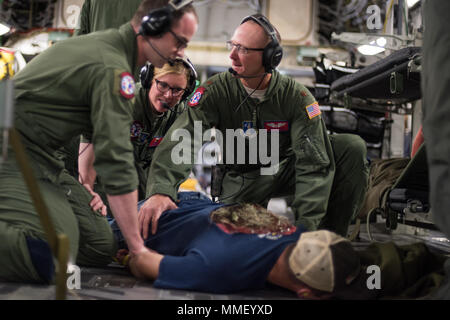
[[387, 15]]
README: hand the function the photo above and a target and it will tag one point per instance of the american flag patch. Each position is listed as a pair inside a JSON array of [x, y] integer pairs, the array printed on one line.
[[313, 110]]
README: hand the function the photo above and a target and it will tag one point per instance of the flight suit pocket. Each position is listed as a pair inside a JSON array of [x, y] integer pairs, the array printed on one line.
[[311, 154]]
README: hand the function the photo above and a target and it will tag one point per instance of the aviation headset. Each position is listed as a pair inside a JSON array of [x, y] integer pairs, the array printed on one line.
[[158, 21], [273, 52], [148, 71]]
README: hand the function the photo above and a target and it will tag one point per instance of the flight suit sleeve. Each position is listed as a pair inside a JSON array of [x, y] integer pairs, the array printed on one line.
[[176, 154], [314, 161], [111, 117], [86, 138], [83, 20]]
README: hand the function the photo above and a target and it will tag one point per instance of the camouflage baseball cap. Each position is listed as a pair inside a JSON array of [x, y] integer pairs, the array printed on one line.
[[324, 260]]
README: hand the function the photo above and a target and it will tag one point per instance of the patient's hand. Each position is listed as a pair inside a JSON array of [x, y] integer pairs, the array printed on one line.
[[145, 264], [151, 210]]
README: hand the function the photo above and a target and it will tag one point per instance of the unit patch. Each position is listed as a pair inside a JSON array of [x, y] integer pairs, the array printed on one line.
[[247, 125], [127, 85], [313, 110], [143, 136], [282, 125], [248, 129], [137, 132], [195, 99]]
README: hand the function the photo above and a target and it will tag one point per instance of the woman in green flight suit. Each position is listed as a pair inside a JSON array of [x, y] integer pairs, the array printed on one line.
[[159, 100]]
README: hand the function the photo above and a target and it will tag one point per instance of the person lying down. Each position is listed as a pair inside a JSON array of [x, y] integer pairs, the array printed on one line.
[[217, 248], [210, 247]]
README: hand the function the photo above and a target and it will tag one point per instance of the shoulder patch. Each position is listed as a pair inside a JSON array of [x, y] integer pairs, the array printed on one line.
[[195, 99], [303, 93], [127, 85], [313, 110]]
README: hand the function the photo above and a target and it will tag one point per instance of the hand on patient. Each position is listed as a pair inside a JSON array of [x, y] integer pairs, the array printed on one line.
[[151, 210]]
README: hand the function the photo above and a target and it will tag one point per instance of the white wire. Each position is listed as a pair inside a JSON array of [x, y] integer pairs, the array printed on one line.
[[368, 225]]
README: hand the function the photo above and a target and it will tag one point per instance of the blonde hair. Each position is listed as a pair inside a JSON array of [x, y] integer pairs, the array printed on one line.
[[177, 68]]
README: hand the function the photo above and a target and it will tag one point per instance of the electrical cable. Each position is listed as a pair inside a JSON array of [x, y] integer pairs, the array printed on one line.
[[175, 109], [87, 146], [241, 187], [80, 178], [368, 224], [405, 15], [248, 95], [355, 232]]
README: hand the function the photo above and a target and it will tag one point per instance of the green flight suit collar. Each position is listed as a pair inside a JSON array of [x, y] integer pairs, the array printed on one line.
[[274, 85], [130, 44]]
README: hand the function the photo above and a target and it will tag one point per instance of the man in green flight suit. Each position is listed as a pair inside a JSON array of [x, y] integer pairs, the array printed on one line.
[[327, 174], [82, 85], [97, 15]]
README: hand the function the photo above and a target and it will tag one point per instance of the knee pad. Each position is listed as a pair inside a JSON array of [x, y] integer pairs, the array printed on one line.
[[41, 257]]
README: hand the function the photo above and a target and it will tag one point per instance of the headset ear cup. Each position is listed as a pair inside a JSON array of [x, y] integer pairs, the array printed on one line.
[[272, 55], [267, 54], [146, 76], [276, 57], [157, 22]]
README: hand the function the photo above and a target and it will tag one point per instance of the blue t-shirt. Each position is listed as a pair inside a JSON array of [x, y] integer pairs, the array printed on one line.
[[200, 256]]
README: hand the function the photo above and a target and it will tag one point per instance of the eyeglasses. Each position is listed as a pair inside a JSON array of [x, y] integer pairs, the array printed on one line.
[[241, 49], [163, 87], [182, 43]]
